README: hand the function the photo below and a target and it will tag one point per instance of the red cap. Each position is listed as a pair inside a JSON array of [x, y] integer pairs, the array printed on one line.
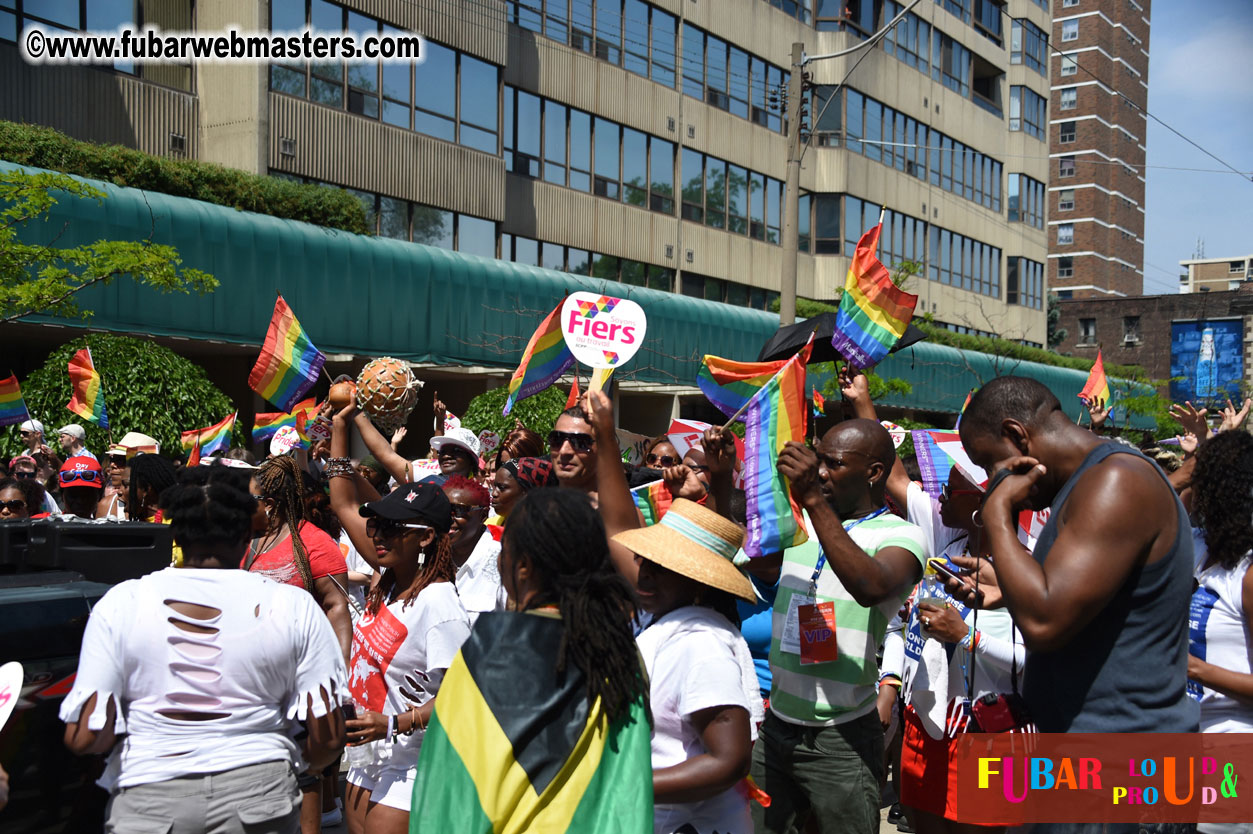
[[81, 471]]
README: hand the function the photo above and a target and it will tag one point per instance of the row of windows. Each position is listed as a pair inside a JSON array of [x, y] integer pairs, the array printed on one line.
[[726, 196], [730, 79], [1029, 46], [444, 96], [1026, 200], [962, 262], [1024, 283], [800, 9], [984, 15], [1028, 111]]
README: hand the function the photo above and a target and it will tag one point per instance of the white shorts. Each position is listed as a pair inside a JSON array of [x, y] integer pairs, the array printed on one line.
[[390, 786]]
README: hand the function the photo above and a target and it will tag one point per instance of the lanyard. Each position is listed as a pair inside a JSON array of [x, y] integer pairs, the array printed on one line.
[[822, 556]]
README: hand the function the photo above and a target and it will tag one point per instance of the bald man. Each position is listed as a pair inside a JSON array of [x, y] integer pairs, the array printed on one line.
[[820, 751]]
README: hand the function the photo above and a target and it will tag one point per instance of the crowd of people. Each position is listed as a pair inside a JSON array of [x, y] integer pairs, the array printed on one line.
[[504, 644]]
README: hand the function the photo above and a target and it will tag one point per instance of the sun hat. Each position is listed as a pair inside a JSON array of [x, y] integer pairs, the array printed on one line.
[[693, 542], [463, 438], [115, 450], [138, 442]]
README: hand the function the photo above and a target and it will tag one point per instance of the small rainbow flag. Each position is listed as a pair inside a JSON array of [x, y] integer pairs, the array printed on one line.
[[213, 440], [729, 384], [652, 500], [969, 394], [12, 406], [1097, 386], [289, 364], [775, 415], [820, 403], [545, 359], [573, 399], [874, 312], [87, 397], [265, 425]]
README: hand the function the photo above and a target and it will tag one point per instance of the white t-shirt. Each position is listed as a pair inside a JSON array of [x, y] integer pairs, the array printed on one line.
[[419, 640], [478, 580], [1217, 634], [693, 664], [356, 564], [273, 648]]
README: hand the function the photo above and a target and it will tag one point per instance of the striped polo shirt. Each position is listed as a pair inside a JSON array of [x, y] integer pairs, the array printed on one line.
[[822, 694]]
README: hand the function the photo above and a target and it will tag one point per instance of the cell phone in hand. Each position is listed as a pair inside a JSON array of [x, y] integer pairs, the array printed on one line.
[[944, 570]]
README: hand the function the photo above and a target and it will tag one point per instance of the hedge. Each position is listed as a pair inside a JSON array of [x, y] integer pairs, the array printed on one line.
[[43, 147]]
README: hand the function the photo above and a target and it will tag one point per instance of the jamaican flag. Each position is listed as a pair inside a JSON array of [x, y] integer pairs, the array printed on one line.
[[513, 746]]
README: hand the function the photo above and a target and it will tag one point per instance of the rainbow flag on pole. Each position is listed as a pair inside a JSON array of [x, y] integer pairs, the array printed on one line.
[[874, 312], [264, 426], [729, 385], [12, 406], [289, 364], [545, 359], [87, 397], [653, 500], [214, 439], [775, 415], [1097, 386], [820, 403]]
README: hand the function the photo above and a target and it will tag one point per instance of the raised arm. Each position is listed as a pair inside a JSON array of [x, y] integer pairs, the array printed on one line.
[[345, 493], [719, 447], [856, 390], [382, 450], [616, 505]]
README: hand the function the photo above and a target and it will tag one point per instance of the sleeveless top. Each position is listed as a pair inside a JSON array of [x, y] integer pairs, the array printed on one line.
[[1218, 635], [1126, 669]]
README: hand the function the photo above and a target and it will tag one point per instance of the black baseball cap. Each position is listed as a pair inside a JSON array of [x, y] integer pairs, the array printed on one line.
[[408, 502]]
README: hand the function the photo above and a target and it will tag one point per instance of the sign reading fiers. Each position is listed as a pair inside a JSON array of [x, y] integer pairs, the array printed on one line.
[[600, 330]]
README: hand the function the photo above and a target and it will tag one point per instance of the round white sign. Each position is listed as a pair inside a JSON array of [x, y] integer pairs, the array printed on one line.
[[600, 330]]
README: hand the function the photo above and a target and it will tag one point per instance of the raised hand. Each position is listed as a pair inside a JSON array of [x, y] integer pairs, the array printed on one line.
[[1233, 419], [1187, 443], [853, 385], [799, 464], [1192, 420], [1098, 410], [682, 482], [719, 446]]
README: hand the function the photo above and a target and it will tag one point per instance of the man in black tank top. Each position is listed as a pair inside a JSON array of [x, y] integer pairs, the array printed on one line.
[[1102, 603]]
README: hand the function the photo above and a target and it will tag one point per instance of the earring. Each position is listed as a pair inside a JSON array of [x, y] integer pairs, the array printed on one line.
[[976, 519], [421, 558]]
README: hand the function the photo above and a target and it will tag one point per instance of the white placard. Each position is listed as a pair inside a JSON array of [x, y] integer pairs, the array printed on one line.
[[10, 689], [602, 331]]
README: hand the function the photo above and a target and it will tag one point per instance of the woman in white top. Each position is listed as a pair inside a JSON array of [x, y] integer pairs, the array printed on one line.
[[199, 679]]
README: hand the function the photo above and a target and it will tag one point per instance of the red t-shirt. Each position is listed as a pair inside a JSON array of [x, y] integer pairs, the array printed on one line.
[[279, 564]]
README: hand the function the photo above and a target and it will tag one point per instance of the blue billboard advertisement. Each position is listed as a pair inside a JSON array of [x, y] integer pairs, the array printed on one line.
[[1206, 360]]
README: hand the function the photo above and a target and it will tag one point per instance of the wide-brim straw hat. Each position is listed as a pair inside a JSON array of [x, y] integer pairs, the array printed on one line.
[[693, 542]]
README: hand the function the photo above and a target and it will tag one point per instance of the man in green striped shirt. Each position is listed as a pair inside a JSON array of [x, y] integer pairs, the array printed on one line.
[[820, 750]]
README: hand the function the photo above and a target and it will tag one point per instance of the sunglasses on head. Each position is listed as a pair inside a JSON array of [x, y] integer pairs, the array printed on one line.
[[463, 510], [379, 528], [88, 475], [664, 460], [946, 493], [15, 506], [578, 441]]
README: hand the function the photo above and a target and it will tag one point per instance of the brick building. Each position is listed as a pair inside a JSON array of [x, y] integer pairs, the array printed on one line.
[[1097, 147], [1215, 274]]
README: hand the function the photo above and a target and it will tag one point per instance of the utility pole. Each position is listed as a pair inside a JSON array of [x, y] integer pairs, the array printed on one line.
[[791, 205]]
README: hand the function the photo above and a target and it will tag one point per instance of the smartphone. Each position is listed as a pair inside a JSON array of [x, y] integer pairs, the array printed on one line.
[[944, 570]]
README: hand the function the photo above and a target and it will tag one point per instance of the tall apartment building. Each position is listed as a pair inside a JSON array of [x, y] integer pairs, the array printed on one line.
[[627, 139], [1097, 143]]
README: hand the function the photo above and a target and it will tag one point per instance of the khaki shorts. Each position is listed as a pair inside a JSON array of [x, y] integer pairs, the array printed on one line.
[[254, 799]]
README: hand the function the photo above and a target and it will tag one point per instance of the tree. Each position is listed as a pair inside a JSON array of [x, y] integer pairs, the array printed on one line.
[[1056, 335], [538, 413], [147, 388], [37, 278]]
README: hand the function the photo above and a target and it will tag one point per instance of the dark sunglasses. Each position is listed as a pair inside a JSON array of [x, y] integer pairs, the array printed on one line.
[[88, 475], [20, 474], [946, 493], [377, 528], [664, 460], [463, 510], [578, 441], [15, 506]]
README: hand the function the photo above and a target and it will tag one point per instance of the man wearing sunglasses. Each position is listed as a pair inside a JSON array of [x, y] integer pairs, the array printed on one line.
[[572, 449], [81, 483]]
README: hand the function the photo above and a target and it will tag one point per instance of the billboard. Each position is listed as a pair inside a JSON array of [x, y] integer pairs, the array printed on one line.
[[1206, 360]]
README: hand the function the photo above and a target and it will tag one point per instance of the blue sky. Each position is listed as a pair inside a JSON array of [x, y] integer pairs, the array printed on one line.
[[1201, 84]]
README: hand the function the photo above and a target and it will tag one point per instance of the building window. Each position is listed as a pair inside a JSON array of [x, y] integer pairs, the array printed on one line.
[[1070, 30], [1065, 267], [1027, 111], [1069, 65], [1131, 330], [725, 196], [730, 79], [1066, 166], [1026, 200], [1087, 332], [1024, 283], [1066, 133], [1235, 267], [964, 263], [1066, 199], [1065, 234], [1066, 4], [1028, 45], [1070, 98]]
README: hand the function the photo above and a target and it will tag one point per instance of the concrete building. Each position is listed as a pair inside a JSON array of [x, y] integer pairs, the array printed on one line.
[[622, 138], [1097, 144], [1215, 274]]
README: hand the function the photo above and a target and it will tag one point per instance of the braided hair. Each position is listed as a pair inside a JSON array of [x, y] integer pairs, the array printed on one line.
[[149, 470], [279, 479], [1222, 495], [563, 538], [439, 567]]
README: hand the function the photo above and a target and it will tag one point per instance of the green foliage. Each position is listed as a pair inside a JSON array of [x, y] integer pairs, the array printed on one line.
[[538, 413], [44, 279], [1056, 335], [147, 388], [43, 147], [907, 448]]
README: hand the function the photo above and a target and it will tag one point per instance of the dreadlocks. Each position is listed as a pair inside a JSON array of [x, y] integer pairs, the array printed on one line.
[[438, 567], [564, 539], [279, 480], [1222, 495]]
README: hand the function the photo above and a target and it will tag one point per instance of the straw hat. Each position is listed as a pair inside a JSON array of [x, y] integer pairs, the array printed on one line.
[[693, 542]]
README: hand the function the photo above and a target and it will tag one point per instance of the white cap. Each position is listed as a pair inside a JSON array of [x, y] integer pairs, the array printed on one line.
[[32, 425], [457, 437], [74, 430]]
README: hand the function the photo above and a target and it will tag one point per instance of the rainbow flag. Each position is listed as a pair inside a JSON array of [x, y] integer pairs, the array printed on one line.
[[652, 500], [938, 453], [12, 406], [775, 415], [545, 359], [729, 385], [820, 403], [213, 440], [289, 364], [874, 312], [1097, 386], [265, 425], [87, 397], [969, 394]]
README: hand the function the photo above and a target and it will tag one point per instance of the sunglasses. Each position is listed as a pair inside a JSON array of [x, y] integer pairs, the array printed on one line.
[[20, 474], [664, 460], [382, 529], [15, 506], [946, 493], [578, 441], [463, 510], [88, 475]]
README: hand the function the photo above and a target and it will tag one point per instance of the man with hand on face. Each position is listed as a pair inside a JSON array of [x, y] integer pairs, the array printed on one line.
[[1102, 603], [820, 752], [572, 449]]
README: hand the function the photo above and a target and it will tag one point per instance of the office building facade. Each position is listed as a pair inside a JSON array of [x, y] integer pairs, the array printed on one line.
[[1215, 274]]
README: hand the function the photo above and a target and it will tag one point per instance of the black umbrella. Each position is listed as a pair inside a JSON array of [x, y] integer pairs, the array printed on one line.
[[788, 340]]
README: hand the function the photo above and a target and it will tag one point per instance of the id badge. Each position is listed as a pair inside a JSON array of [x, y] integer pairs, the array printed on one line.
[[817, 633]]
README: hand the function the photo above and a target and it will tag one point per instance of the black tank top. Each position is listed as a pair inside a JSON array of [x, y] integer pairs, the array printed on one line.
[[1126, 670]]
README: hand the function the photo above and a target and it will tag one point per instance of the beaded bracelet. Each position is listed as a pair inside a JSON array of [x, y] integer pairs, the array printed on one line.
[[970, 640]]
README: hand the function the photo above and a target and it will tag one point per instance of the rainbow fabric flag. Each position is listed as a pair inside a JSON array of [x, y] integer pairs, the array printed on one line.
[[729, 384], [969, 394], [938, 453], [265, 425], [874, 312], [652, 500], [12, 406], [1097, 386], [820, 403], [775, 415], [545, 359], [213, 440], [87, 397], [289, 364]]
